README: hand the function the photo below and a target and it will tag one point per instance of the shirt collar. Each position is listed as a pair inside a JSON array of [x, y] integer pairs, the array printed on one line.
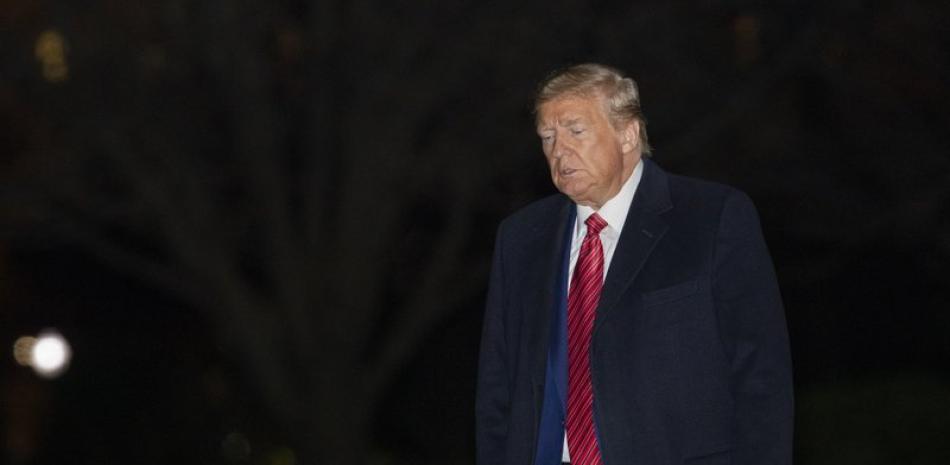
[[614, 211]]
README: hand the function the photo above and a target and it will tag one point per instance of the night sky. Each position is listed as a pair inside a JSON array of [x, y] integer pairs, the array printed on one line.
[[247, 218]]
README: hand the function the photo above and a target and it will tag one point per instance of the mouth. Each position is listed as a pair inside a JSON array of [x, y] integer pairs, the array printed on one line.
[[566, 172]]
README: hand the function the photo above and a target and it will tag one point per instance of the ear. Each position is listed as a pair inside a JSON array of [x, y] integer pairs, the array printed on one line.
[[630, 137]]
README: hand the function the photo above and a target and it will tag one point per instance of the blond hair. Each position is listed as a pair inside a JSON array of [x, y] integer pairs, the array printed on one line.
[[587, 80]]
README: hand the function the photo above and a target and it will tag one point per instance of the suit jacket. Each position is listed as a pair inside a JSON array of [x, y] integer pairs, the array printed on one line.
[[689, 356]]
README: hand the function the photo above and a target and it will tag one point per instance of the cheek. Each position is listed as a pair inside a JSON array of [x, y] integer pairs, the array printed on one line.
[[552, 169], [602, 160]]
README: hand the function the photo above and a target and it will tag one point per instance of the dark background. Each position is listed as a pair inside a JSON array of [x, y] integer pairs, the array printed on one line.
[[265, 227]]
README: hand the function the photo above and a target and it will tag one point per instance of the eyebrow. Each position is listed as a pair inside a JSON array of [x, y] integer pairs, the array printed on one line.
[[572, 121], [567, 122]]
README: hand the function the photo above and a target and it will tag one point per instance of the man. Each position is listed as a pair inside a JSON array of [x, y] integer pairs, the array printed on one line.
[[635, 317]]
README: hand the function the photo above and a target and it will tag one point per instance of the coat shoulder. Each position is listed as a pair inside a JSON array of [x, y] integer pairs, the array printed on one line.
[[535, 216], [700, 194]]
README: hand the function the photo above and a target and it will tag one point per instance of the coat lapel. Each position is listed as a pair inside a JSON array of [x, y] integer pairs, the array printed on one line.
[[642, 230], [542, 272]]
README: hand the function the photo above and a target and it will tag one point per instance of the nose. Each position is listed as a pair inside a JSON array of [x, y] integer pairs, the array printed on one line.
[[558, 148]]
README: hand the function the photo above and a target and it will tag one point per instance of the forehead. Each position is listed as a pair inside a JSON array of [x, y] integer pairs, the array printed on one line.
[[571, 108]]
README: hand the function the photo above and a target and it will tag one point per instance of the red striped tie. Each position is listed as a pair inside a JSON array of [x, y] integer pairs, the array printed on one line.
[[581, 305]]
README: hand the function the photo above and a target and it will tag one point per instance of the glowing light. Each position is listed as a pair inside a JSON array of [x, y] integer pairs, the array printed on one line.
[[50, 51], [50, 355], [23, 350]]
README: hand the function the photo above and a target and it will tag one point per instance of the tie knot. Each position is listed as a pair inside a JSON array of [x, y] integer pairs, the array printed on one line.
[[595, 224]]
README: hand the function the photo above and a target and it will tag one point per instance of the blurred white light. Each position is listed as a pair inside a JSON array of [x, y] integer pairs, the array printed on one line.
[[50, 355]]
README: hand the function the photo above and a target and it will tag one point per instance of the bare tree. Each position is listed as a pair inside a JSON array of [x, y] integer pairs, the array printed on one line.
[[279, 172]]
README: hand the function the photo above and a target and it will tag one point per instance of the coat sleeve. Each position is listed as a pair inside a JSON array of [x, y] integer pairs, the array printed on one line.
[[492, 396], [755, 337]]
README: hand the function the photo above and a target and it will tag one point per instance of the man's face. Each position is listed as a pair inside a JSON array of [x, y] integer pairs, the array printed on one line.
[[588, 157]]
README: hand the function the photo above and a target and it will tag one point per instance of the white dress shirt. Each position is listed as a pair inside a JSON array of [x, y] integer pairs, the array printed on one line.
[[614, 212]]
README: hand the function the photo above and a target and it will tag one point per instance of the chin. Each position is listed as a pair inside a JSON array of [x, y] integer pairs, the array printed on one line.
[[574, 193], [580, 200]]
